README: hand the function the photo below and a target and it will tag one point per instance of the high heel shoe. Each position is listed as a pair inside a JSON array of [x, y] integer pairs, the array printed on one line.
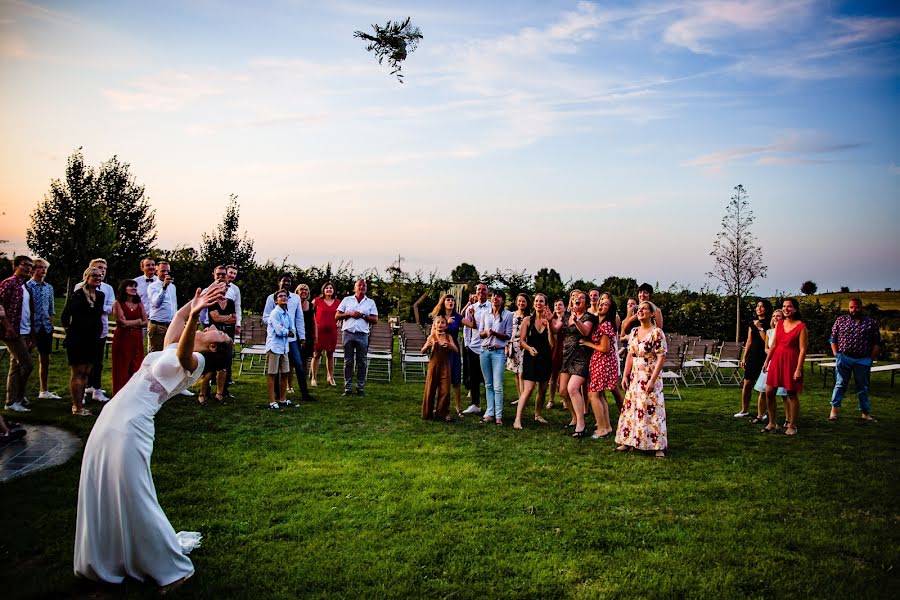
[[578, 434]]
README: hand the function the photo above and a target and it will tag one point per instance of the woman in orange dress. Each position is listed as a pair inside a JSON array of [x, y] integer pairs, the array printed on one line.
[[436, 398], [326, 307]]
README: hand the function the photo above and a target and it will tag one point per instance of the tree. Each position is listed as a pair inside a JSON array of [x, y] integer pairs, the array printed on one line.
[[72, 225], [738, 258], [619, 287], [224, 247], [809, 288], [394, 41], [130, 215], [550, 283], [465, 273]]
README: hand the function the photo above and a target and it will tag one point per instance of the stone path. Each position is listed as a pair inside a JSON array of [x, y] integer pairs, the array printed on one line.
[[42, 447]]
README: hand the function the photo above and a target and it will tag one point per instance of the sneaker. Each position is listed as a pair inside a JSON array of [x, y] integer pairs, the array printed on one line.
[[186, 393], [360, 393], [286, 402], [274, 406], [17, 406], [473, 409], [83, 412], [347, 393], [741, 415], [25, 402], [12, 435], [100, 395], [48, 395]]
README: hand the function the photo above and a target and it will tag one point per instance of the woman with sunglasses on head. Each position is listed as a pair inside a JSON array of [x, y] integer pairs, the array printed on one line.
[[81, 319], [578, 325], [326, 307], [128, 340], [754, 354], [446, 307]]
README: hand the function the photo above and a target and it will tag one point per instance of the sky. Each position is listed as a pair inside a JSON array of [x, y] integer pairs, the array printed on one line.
[[595, 138]]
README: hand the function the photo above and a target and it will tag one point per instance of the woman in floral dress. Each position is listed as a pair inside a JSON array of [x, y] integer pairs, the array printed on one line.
[[642, 423], [604, 367], [514, 352]]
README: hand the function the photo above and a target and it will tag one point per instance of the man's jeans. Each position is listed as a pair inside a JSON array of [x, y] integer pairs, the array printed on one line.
[[860, 368], [356, 347], [493, 364], [20, 367]]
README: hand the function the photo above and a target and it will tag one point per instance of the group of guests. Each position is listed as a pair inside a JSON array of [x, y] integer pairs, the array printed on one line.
[[574, 346], [300, 331], [774, 355]]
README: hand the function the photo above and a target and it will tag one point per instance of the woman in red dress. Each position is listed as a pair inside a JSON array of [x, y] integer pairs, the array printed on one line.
[[326, 307], [784, 366], [128, 341]]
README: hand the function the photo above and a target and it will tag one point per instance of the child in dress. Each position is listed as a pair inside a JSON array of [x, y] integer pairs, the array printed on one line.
[[761, 416], [436, 398]]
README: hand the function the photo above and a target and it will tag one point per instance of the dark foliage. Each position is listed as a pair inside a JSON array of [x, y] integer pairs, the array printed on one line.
[[393, 42]]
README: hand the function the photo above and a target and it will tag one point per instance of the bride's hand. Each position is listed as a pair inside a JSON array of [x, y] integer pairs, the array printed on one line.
[[202, 299]]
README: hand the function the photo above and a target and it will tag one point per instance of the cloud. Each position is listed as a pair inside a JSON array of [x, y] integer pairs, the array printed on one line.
[[712, 21], [894, 169], [796, 147], [166, 91], [864, 30]]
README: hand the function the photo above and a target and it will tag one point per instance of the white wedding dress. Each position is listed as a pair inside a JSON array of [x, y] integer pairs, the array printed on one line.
[[121, 529]]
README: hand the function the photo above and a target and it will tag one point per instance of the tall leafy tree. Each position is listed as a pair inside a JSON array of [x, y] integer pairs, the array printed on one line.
[[465, 273], [224, 246], [550, 283], [738, 257], [71, 225], [809, 288], [130, 215]]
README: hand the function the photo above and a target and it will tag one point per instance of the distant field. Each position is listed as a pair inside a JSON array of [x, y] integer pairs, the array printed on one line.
[[884, 300]]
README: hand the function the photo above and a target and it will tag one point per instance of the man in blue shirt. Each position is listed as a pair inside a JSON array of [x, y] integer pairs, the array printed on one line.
[[280, 332], [42, 313]]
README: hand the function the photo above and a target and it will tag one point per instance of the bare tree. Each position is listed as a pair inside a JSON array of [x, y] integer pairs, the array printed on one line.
[[738, 257], [394, 42]]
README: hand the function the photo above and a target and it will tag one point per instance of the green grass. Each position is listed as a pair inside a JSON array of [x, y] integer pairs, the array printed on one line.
[[361, 498]]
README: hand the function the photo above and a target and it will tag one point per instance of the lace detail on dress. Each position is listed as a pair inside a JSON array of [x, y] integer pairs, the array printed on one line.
[[155, 387]]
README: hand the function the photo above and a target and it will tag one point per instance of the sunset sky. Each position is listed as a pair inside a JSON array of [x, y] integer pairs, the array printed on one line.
[[597, 138]]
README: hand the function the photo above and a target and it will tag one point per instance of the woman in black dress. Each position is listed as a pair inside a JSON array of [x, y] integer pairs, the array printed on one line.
[[536, 340], [578, 324], [222, 315], [81, 318], [754, 354]]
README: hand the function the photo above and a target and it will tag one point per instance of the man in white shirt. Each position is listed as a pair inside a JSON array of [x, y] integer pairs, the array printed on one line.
[[109, 297], [356, 313], [234, 292], [473, 349], [161, 306], [295, 311], [147, 276]]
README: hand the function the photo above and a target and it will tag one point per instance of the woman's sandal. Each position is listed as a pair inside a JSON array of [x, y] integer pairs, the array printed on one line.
[[623, 448], [660, 454], [579, 434], [221, 400], [757, 421], [549, 405], [540, 420], [201, 400], [459, 414]]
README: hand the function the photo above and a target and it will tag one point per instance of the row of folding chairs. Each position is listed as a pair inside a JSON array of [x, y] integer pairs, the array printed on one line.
[[413, 363], [694, 361]]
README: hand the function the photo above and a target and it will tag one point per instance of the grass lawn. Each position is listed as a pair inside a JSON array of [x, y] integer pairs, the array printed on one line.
[[884, 300], [361, 498]]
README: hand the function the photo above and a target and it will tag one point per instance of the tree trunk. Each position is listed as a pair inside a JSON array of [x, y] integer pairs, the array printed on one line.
[[737, 324]]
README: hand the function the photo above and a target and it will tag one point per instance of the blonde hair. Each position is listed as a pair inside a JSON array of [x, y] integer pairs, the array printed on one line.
[[88, 272], [97, 261], [40, 262], [301, 286], [772, 321]]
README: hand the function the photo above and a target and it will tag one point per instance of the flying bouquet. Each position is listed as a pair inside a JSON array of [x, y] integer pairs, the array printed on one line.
[[394, 42]]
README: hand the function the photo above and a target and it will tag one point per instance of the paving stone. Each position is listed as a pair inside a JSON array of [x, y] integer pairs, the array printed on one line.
[[42, 447]]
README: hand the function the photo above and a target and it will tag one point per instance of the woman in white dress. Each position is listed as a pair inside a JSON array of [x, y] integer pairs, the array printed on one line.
[[121, 530]]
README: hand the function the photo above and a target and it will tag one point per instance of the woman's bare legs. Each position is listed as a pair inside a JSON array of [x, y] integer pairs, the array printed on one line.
[[601, 412], [576, 401], [314, 368], [77, 382], [524, 395]]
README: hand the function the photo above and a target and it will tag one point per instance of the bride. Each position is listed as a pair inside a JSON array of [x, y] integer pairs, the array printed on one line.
[[121, 529]]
